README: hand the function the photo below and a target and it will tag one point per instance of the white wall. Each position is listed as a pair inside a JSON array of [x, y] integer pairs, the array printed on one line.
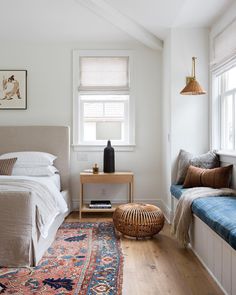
[[185, 118], [49, 69], [189, 114], [166, 123]]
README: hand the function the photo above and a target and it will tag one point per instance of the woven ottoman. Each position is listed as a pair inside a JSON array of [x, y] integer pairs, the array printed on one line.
[[138, 220]]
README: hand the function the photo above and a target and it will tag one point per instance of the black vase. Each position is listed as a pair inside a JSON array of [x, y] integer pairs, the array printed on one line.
[[109, 159]]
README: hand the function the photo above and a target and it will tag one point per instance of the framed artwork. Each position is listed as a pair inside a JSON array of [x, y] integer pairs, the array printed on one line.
[[13, 89]]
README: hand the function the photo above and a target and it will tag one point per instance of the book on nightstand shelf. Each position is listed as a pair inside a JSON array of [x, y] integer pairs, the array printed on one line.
[[100, 204]]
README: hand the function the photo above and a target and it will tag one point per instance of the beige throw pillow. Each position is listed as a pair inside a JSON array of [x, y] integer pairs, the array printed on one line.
[[185, 159], [182, 166]]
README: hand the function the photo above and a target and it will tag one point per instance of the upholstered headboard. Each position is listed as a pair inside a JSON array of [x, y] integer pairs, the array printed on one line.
[[50, 139]]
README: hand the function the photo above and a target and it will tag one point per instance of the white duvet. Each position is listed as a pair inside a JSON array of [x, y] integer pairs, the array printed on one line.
[[48, 199]]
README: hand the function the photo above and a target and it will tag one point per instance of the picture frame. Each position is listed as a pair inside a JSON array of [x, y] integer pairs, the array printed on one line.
[[13, 89]]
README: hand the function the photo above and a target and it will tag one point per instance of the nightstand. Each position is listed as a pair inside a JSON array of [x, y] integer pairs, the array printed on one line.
[[116, 178]]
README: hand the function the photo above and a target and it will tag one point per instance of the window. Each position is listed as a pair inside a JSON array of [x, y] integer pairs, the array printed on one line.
[[223, 79], [226, 93], [103, 108]]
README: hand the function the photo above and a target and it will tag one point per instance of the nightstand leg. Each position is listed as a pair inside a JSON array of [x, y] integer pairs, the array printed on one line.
[[81, 200], [131, 192], [130, 197]]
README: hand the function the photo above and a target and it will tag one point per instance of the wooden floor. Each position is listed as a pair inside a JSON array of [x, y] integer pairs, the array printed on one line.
[[159, 266]]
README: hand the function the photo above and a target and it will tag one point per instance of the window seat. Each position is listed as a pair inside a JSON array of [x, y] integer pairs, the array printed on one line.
[[219, 213]]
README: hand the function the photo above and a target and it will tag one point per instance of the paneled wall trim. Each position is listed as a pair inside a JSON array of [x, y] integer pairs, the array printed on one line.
[[218, 257]]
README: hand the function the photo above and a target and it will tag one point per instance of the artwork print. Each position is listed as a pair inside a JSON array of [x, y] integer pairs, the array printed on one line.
[[13, 89]]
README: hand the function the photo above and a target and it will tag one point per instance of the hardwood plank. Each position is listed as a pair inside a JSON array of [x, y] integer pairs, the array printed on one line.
[[159, 266]]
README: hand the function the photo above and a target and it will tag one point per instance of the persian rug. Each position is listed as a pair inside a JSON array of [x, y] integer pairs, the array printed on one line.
[[85, 258]]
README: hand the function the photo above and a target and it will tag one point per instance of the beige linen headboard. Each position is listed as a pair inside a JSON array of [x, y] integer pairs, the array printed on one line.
[[50, 139]]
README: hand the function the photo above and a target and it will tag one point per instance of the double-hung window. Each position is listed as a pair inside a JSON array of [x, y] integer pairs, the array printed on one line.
[[103, 108], [225, 91], [223, 96]]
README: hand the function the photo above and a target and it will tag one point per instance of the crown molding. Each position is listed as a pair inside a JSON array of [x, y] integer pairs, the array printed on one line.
[[136, 31]]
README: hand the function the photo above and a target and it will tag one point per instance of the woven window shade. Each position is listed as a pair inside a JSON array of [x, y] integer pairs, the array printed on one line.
[[104, 73], [224, 44]]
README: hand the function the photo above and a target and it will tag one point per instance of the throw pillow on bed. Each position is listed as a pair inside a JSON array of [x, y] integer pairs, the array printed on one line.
[[30, 159], [215, 178], [6, 166], [185, 159]]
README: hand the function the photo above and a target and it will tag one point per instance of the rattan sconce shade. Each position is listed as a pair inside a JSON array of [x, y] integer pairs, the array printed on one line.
[[193, 87]]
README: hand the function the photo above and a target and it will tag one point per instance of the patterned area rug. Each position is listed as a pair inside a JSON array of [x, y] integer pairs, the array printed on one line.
[[85, 258]]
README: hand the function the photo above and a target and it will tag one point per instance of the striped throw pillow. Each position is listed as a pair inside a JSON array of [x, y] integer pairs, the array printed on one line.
[[6, 166]]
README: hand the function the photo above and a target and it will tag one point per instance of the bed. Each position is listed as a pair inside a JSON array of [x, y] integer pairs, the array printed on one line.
[[21, 241]]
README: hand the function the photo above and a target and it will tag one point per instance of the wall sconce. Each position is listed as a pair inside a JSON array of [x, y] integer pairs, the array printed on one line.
[[192, 86]]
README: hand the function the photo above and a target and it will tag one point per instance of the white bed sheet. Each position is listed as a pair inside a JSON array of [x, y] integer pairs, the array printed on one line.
[[56, 179]]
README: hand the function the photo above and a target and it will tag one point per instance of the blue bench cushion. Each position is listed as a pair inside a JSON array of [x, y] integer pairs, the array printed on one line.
[[219, 213], [177, 190]]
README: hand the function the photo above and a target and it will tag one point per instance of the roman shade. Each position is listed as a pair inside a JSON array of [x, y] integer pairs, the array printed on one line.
[[104, 73], [224, 44]]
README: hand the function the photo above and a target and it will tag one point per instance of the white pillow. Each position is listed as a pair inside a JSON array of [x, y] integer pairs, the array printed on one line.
[[30, 159], [36, 171]]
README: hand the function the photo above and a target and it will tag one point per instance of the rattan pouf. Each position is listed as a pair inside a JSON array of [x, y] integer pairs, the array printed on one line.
[[138, 220]]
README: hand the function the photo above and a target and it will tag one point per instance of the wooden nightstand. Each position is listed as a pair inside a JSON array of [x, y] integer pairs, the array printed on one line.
[[117, 177]]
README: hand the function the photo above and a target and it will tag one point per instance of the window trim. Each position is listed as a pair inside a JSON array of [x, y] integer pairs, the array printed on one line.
[[215, 106], [76, 111]]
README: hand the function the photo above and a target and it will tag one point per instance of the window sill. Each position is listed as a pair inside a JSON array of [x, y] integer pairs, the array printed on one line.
[[226, 153], [227, 156], [100, 148]]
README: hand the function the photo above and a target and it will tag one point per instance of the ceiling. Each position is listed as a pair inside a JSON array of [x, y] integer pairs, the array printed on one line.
[[69, 21], [53, 20], [159, 15]]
